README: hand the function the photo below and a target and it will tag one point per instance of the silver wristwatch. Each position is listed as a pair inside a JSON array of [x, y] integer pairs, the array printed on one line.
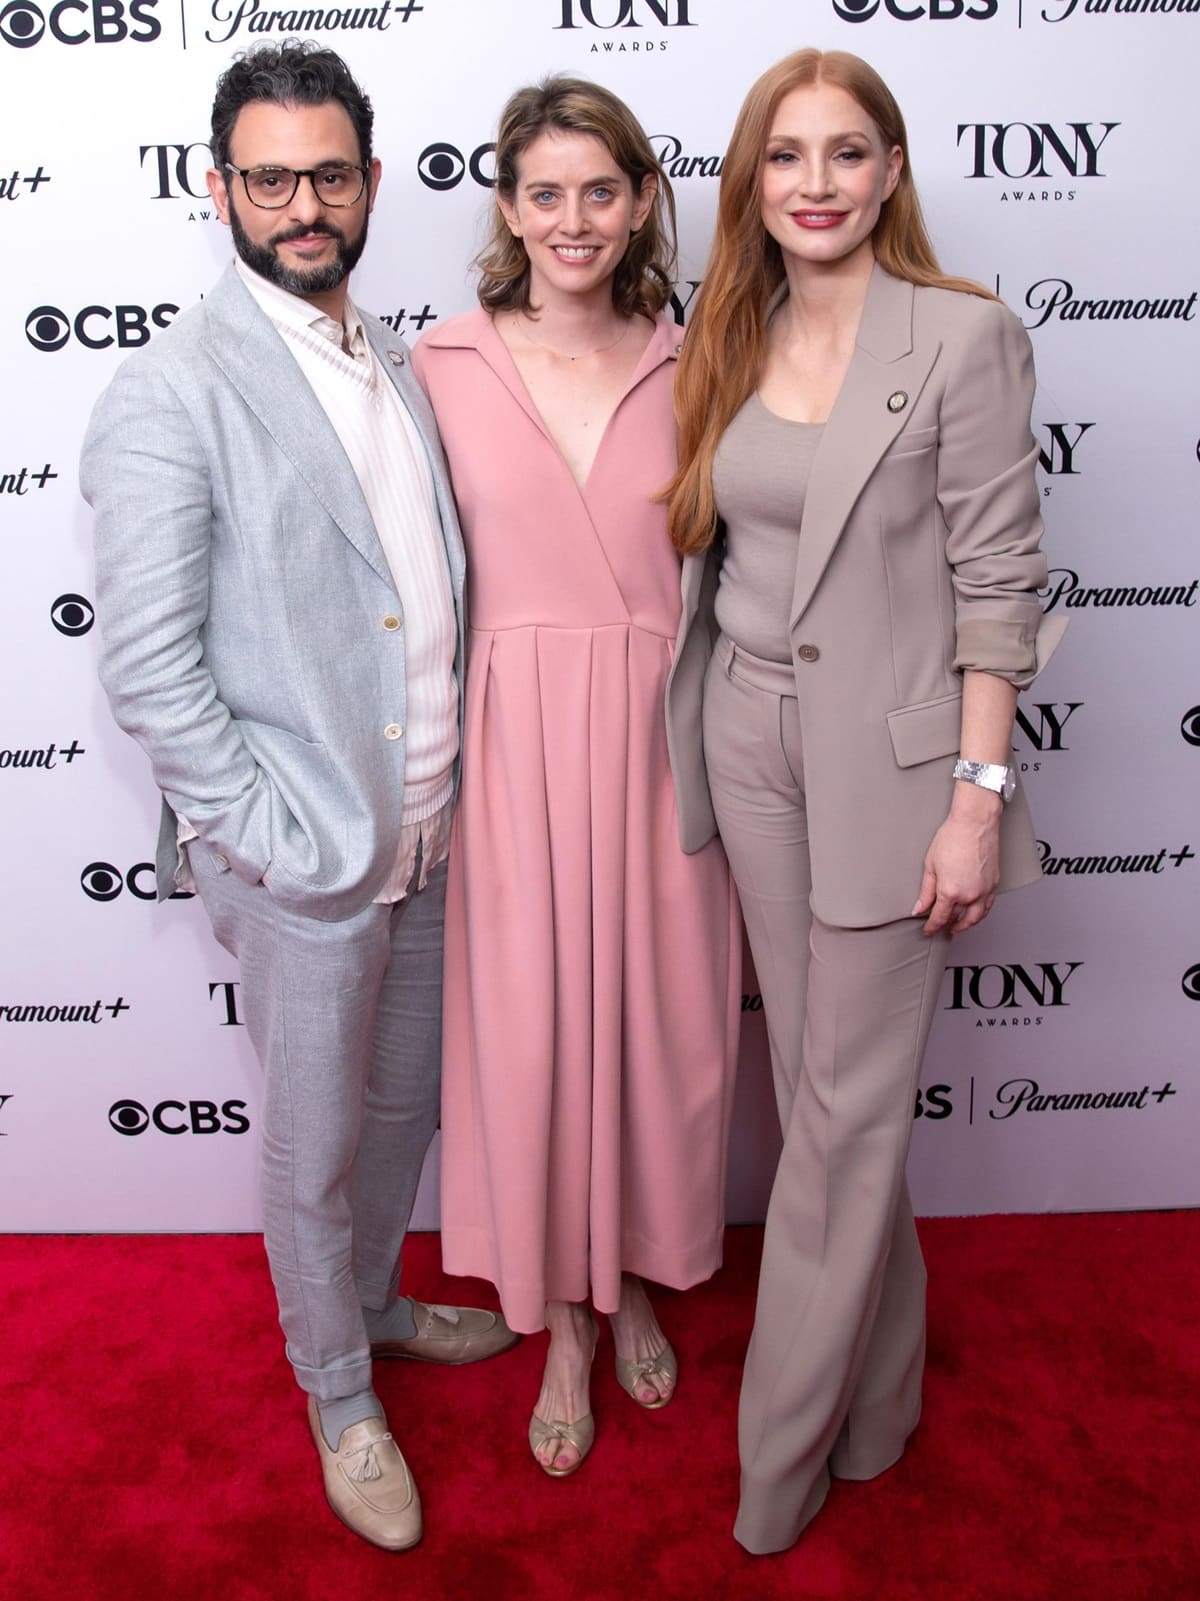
[[988, 775]]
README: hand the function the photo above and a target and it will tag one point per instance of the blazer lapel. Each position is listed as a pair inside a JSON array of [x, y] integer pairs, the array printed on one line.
[[691, 585], [258, 364], [861, 425]]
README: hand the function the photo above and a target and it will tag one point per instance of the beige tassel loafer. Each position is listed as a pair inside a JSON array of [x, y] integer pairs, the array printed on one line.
[[367, 1483], [450, 1334]]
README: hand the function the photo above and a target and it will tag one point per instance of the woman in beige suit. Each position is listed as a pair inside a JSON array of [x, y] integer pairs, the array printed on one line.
[[857, 506]]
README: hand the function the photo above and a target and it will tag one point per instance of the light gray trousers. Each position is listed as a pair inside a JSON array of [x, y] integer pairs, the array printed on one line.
[[833, 1374], [346, 1019]]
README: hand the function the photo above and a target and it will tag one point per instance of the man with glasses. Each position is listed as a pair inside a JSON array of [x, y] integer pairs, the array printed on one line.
[[280, 578]]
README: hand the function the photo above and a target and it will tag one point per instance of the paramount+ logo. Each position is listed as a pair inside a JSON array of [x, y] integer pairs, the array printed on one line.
[[936, 11], [179, 1117], [23, 24], [96, 327], [1060, 10]]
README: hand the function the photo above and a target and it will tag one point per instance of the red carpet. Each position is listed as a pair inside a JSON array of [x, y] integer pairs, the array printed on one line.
[[155, 1445]]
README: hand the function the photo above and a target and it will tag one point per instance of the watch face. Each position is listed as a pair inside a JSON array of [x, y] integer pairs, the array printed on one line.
[[1010, 783]]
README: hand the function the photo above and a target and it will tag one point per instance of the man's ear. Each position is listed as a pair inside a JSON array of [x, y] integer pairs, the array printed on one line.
[[218, 188]]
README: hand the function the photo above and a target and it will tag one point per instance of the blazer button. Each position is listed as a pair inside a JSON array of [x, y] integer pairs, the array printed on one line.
[[808, 653], [396, 357], [393, 731], [391, 624], [224, 860]]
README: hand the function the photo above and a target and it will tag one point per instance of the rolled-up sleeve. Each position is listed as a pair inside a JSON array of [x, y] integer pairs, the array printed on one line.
[[988, 493]]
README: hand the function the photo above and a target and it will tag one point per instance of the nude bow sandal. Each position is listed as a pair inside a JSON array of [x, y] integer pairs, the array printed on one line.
[[580, 1434], [664, 1364]]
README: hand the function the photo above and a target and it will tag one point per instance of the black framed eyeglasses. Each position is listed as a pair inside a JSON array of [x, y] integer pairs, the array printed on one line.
[[334, 184]]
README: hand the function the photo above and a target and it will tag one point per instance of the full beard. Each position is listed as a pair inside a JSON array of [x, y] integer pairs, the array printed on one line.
[[264, 259]]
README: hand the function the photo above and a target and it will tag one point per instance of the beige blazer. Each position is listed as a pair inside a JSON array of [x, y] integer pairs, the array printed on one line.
[[918, 557]]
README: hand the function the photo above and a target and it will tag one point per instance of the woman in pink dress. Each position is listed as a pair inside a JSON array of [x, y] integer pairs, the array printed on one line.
[[592, 969]]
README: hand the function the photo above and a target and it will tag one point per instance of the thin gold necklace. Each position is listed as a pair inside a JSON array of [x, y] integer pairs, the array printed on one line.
[[565, 355]]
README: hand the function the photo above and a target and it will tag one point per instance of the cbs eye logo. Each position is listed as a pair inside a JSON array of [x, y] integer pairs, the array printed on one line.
[[101, 881], [442, 166], [22, 24], [1190, 726], [198, 1117], [938, 11], [1191, 983], [73, 615], [129, 1117], [47, 328]]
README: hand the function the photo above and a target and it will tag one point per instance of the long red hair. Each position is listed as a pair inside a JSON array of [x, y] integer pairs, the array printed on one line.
[[726, 343]]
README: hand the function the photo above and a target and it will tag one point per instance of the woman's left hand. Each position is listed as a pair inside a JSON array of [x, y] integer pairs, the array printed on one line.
[[962, 865]]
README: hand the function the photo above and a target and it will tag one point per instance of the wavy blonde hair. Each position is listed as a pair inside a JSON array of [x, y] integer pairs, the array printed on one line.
[[725, 347], [644, 275]]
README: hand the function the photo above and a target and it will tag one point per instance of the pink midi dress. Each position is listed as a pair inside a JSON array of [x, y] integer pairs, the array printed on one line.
[[592, 973]]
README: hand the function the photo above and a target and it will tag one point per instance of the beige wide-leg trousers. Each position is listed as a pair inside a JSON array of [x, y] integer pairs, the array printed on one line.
[[833, 1375]]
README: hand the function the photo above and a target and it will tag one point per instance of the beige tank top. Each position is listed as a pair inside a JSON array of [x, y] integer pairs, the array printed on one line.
[[760, 477]]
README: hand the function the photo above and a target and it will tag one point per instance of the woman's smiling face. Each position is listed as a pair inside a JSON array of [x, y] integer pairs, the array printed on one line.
[[575, 211], [825, 176]]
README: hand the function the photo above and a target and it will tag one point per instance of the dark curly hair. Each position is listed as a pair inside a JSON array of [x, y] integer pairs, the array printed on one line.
[[293, 73]]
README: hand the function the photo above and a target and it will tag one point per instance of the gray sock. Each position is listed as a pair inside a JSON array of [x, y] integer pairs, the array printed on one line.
[[395, 1322], [347, 1409]]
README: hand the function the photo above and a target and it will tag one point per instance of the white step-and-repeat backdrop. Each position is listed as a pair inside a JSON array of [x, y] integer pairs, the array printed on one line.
[[1054, 144]]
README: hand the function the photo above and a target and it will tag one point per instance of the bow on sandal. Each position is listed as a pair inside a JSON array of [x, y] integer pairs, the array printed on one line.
[[663, 1365], [579, 1434]]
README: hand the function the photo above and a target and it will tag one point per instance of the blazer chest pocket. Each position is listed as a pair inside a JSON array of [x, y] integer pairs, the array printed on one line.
[[923, 732], [912, 442]]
